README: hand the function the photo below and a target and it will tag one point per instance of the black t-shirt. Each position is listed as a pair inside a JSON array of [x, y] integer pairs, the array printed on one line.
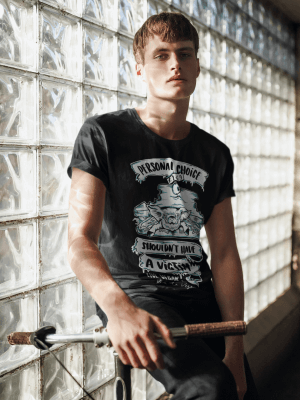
[[160, 193]]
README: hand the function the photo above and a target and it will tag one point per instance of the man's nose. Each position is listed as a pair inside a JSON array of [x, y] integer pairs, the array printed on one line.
[[175, 62]]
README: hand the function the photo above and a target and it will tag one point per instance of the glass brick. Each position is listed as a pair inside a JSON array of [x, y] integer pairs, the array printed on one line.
[[217, 127], [22, 384], [245, 103], [242, 165], [60, 45], [61, 307], [255, 140], [266, 109], [255, 106], [18, 269], [138, 382], [287, 251], [132, 14], [18, 107], [275, 108], [291, 117], [90, 318], [216, 15], [204, 47], [262, 14], [18, 34], [291, 90], [183, 4], [101, 12], [251, 303], [243, 205], [155, 7], [17, 174], [232, 61], [231, 135], [252, 35], [279, 256], [56, 382], [217, 54], [242, 28], [97, 102], [263, 296], [129, 101], [283, 114], [245, 274], [266, 78], [99, 366], [217, 97], [202, 120], [232, 99], [200, 10], [54, 246], [61, 115], [260, 41], [254, 177], [128, 79], [72, 6], [275, 143], [253, 238], [275, 81], [254, 205], [201, 95], [242, 236], [245, 68], [229, 20], [17, 315], [55, 183], [244, 138], [100, 57]]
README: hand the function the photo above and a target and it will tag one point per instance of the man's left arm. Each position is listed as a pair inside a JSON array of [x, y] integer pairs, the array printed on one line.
[[228, 283]]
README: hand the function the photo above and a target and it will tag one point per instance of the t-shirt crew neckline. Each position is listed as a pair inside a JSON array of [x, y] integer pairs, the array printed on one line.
[[160, 138]]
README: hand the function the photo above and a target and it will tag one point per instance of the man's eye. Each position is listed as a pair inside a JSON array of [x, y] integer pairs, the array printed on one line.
[[185, 54]]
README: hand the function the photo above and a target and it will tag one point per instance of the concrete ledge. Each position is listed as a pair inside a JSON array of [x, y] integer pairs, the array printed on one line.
[[272, 335]]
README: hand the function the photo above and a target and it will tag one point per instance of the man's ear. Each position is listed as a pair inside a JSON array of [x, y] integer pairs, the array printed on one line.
[[140, 71]]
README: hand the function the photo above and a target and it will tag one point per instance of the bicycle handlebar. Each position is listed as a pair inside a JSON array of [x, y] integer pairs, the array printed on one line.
[[100, 336]]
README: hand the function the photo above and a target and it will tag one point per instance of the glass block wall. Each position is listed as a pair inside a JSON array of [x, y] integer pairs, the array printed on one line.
[[63, 61]]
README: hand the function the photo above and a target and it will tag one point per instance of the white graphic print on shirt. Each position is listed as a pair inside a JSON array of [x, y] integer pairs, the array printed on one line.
[[173, 214]]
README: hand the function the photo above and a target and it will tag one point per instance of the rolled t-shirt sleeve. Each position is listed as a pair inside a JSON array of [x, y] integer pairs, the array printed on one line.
[[90, 151], [226, 182]]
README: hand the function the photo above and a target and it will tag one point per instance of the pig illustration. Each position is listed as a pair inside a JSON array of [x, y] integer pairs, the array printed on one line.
[[170, 220]]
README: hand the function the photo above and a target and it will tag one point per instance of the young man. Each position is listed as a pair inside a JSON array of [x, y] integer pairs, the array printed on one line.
[[151, 180]]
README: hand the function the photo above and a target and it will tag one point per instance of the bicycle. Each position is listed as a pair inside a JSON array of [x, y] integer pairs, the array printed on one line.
[[46, 337]]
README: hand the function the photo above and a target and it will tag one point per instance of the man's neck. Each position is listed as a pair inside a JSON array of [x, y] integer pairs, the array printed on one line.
[[167, 119]]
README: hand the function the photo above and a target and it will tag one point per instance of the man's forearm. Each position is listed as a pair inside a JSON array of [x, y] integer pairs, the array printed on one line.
[[91, 269], [229, 292]]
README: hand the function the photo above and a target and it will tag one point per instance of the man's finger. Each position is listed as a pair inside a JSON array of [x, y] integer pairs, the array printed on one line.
[[143, 354], [165, 332]]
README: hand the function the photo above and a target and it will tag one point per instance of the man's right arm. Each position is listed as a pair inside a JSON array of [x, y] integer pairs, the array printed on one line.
[[131, 329]]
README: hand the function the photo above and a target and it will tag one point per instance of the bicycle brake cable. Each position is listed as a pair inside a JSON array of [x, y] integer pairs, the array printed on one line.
[[42, 344]]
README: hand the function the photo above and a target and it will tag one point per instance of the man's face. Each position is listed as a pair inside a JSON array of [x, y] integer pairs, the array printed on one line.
[[163, 61]]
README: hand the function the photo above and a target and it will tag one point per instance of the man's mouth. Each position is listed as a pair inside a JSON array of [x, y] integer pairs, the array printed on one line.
[[176, 78]]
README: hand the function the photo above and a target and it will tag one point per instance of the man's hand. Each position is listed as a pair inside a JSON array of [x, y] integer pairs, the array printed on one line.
[[131, 332], [236, 365]]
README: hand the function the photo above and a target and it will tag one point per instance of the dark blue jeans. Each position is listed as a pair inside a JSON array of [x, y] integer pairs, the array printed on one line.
[[194, 370]]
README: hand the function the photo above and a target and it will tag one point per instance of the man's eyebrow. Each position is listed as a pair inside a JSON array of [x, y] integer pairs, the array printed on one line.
[[158, 49]]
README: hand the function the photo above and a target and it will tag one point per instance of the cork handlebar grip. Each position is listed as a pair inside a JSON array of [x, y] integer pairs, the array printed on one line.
[[19, 338], [228, 328]]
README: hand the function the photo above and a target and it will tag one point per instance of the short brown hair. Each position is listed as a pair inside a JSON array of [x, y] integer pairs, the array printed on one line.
[[170, 26]]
